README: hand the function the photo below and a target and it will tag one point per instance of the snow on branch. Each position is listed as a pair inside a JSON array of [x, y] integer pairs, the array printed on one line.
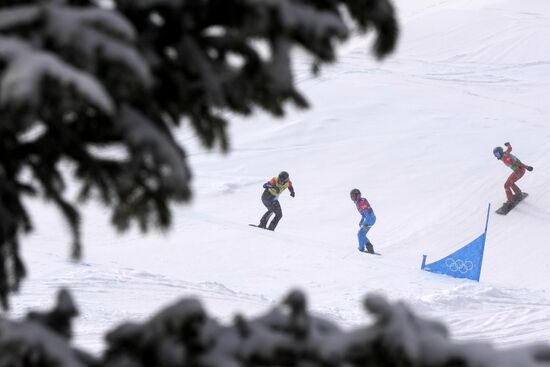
[[101, 19], [143, 136], [26, 68], [28, 341], [42, 339], [317, 23], [183, 334], [154, 3], [94, 32], [288, 335], [11, 18]]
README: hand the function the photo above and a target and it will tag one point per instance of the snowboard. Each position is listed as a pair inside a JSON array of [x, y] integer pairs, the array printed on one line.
[[257, 226], [368, 253], [503, 210]]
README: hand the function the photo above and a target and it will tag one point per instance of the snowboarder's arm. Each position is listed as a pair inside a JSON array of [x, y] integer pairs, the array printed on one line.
[[270, 184], [528, 168], [291, 188], [520, 163], [508, 147]]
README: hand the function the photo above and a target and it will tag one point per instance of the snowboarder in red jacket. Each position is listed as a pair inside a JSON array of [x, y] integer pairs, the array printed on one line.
[[513, 192]]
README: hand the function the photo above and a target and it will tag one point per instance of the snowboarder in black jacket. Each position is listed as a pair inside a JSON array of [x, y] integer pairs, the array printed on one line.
[[270, 198]]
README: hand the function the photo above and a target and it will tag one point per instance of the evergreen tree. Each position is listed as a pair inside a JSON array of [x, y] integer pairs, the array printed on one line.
[[94, 89]]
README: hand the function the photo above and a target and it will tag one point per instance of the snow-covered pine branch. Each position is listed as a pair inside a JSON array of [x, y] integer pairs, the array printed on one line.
[[143, 136], [184, 334], [26, 69]]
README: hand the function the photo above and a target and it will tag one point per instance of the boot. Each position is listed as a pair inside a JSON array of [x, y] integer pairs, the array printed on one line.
[[518, 196], [369, 247]]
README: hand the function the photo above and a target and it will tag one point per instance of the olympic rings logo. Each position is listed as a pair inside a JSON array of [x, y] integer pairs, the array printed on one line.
[[459, 265]]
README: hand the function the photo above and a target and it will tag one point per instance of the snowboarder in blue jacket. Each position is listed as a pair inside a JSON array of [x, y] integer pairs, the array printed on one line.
[[367, 220]]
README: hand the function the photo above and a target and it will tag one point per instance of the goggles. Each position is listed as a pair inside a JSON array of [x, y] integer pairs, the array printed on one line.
[[497, 154]]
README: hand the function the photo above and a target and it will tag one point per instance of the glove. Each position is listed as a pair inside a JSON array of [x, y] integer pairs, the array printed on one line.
[[529, 168], [292, 194], [507, 144]]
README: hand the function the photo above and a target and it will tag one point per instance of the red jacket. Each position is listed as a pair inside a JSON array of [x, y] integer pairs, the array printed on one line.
[[511, 160]]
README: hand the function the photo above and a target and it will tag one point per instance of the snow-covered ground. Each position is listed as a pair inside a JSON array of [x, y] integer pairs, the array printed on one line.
[[414, 134]]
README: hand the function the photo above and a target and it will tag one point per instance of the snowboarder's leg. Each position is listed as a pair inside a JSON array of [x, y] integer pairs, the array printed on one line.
[[508, 190], [265, 218], [368, 245], [517, 191], [267, 200], [362, 237], [512, 190], [276, 207], [362, 240]]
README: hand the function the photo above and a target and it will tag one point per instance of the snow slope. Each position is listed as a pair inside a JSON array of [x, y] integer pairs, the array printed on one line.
[[414, 133]]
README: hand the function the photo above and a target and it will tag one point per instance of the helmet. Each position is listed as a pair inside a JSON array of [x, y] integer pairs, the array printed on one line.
[[283, 177], [355, 194], [497, 152]]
